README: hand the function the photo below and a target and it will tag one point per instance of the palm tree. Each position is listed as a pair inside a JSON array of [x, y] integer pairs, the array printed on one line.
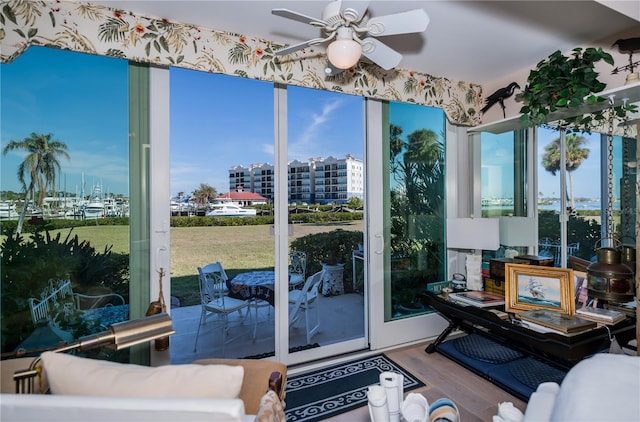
[[40, 165], [575, 155], [204, 194]]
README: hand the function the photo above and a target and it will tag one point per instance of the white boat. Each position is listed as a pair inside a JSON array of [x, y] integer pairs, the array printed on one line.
[[180, 206], [94, 207], [230, 210], [536, 288], [8, 210]]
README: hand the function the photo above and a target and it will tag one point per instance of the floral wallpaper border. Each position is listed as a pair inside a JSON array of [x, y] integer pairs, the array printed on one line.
[[97, 29]]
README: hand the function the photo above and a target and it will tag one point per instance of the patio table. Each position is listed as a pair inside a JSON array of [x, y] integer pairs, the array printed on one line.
[[102, 318], [253, 284]]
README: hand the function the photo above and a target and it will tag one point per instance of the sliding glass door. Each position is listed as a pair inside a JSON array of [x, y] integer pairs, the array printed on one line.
[[408, 251], [221, 211], [325, 195]]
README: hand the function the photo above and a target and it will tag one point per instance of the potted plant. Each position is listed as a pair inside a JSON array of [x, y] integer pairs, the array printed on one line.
[[565, 83]]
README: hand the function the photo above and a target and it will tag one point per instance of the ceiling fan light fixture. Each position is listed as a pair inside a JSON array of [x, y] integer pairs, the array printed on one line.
[[344, 53]]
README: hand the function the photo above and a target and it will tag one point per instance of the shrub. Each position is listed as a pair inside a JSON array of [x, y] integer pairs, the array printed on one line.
[[28, 265], [325, 247]]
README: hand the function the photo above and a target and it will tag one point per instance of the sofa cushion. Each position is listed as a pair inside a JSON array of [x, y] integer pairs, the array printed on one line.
[[44, 407], [72, 375], [604, 387], [257, 374]]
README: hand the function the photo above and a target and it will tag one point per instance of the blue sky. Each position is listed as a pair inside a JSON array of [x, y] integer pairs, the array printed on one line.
[[209, 133], [217, 121], [44, 91], [499, 152]]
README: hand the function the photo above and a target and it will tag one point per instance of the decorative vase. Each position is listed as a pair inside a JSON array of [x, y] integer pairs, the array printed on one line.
[[332, 279]]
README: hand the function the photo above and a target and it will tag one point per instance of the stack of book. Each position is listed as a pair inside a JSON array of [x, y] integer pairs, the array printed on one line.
[[564, 324], [478, 298], [600, 315]]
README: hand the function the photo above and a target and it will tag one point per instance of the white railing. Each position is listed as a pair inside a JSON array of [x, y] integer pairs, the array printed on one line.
[[551, 248]]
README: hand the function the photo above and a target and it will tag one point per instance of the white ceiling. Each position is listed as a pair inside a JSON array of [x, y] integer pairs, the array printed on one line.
[[475, 41]]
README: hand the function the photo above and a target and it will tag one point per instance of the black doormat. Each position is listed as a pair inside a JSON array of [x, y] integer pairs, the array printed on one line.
[[323, 393], [291, 350]]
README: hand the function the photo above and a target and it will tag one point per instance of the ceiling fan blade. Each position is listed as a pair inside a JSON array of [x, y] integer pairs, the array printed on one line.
[[399, 23], [379, 53], [354, 10], [290, 14], [295, 47]]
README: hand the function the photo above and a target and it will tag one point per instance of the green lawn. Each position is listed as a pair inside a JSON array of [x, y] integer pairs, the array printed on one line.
[[239, 248]]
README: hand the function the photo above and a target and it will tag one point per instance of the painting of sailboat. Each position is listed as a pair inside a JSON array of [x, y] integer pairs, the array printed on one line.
[[539, 291], [539, 287]]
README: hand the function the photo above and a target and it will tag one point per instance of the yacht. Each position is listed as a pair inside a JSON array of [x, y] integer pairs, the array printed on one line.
[[230, 210], [8, 210], [94, 207]]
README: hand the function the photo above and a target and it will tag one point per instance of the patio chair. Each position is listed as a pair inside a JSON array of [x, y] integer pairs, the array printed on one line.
[[214, 299], [297, 268], [58, 300], [301, 301], [257, 304]]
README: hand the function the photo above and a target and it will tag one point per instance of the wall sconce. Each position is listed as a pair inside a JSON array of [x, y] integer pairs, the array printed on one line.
[[345, 51], [118, 336]]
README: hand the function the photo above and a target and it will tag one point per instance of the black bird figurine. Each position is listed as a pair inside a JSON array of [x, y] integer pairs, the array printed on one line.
[[499, 96], [629, 46]]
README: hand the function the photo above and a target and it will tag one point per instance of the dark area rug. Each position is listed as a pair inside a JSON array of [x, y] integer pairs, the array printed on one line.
[[327, 392]]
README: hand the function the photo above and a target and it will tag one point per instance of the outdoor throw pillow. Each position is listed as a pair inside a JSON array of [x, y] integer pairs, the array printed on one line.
[[72, 375]]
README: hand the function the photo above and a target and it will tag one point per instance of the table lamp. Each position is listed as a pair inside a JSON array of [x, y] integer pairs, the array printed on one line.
[[473, 234], [118, 336]]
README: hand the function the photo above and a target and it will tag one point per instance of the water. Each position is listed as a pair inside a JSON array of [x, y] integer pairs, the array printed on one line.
[[555, 206]]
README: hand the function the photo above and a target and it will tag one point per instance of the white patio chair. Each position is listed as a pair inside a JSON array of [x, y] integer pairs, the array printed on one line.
[[258, 304], [301, 301], [297, 268], [214, 299]]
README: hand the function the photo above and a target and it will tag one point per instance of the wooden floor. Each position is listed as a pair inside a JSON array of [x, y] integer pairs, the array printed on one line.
[[476, 398]]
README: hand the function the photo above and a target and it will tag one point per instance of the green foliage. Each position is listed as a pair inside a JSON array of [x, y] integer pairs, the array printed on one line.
[[355, 203], [336, 245], [29, 264], [37, 224], [306, 217], [417, 203], [565, 83], [8, 227], [586, 232]]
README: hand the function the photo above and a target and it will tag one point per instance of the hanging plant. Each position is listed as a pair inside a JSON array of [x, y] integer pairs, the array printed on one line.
[[567, 83]]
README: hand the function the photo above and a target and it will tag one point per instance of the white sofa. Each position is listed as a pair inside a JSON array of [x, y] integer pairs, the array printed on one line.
[[92, 390], [50, 407], [604, 387]]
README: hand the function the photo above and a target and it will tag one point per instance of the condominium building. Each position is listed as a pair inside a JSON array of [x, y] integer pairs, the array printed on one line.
[[318, 180]]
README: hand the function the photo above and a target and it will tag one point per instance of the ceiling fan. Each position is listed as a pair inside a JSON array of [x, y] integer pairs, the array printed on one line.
[[354, 33]]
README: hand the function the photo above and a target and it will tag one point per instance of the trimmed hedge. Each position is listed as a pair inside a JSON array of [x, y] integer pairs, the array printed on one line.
[[322, 247], [8, 227]]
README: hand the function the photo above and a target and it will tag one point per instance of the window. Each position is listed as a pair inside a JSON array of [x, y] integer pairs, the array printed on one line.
[[48, 291]]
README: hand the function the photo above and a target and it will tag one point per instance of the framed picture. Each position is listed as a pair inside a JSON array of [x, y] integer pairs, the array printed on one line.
[[580, 286], [534, 287]]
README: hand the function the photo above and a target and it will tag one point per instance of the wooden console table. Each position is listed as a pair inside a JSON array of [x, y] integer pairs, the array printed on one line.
[[562, 351]]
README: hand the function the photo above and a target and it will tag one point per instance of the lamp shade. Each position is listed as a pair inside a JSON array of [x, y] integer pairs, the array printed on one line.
[[473, 233], [344, 53]]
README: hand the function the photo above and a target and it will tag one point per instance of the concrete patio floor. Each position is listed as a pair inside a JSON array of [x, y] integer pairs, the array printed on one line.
[[341, 318]]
